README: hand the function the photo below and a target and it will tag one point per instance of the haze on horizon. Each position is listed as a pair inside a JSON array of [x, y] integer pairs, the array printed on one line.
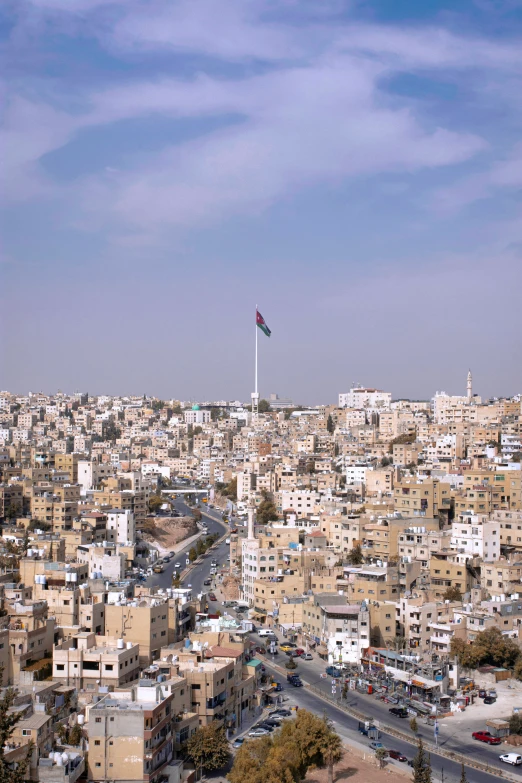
[[354, 168]]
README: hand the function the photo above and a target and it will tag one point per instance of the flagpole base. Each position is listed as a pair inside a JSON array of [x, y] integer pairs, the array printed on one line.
[[255, 405]]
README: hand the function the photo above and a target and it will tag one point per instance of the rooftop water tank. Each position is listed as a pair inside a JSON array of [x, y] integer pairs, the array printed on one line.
[[120, 644]]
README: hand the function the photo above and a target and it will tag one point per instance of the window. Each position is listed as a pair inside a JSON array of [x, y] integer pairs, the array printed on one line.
[[96, 742], [60, 667], [97, 720]]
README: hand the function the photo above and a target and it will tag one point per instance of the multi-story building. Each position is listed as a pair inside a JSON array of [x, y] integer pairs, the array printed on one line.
[[143, 621], [87, 660]]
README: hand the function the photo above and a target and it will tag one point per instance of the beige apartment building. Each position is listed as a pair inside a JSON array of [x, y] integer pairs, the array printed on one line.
[[143, 621], [134, 734], [87, 660], [380, 538], [371, 583], [429, 498], [502, 578], [446, 571]]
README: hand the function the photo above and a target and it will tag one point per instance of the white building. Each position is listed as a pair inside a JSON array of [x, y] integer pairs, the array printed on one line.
[[90, 473], [303, 502], [472, 537], [104, 560], [121, 526], [356, 474], [346, 632], [365, 398], [197, 416]]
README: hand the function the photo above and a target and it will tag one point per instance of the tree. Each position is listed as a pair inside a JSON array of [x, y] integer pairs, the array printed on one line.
[[230, 489], [266, 511], [193, 555], [489, 647], [385, 461], [200, 547], [515, 723], [380, 755], [355, 555], [155, 503], [463, 776], [176, 580], [263, 406], [250, 761], [421, 765], [198, 516], [452, 594], [8, 720], [414, 725], [330, 426], [208, 748], [291, 664], [75, 735]]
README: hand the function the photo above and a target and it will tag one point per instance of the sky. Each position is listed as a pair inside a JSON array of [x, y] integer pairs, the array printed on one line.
[[353, 168]]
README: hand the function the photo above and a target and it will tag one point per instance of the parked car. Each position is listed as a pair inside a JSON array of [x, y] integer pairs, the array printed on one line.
[[261, 650], [399, 712], [482, 694], [485, 736], [212, 597], [287, 646], [376, 745], [273, 722], [489, 700], [238, 742], [265, 726], [299, 651], [511, 758], [397, 755], [278, 687], [258, 733], [291, 653], [284, 713], [207, 582], [307, 657]]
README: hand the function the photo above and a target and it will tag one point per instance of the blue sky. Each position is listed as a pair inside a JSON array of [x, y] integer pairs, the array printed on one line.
[[355, 168]]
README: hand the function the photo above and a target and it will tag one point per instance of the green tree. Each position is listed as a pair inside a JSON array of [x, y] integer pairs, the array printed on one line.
[[155, 503], [266, 511], [414, 726], [75, 735], [208, 748], [230, 489], [330, 426], [291, 664], [176, 580], [263, 406], [515, 723], [489, 647], [380, 755], [192, 554], [421, 765], [355, 555], [452, 594], [8, 720]]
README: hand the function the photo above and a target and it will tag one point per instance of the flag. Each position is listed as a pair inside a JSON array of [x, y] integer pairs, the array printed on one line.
[[260, 321]]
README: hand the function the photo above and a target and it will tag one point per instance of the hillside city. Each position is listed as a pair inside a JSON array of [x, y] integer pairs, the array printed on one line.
[[172, 567]]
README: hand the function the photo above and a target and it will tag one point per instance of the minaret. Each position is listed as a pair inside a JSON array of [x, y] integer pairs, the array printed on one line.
[[251, 513], [470, 386]]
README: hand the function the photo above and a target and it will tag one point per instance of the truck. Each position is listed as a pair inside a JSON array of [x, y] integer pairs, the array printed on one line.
[[158, 568]]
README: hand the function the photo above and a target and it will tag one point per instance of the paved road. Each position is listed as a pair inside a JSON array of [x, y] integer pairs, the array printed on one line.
[[200, 573], [378, 710]]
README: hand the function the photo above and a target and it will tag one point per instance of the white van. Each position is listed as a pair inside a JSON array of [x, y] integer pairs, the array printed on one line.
[[511, 758], [266, 632]]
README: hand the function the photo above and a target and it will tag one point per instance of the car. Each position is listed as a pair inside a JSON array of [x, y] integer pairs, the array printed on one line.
[[376, 745], [397, 755], [398, 712], [281, 711], [291, 653], [307, 657], [511, 758], [207, 582], [485, 736], [489, 700], [212, 597], [177, 565], [258, 733], [261, 650], [278, 687], [264, 725], [299, 651], [296, 683], [274, 722], [189, 586], [238, 742], [287, 646]]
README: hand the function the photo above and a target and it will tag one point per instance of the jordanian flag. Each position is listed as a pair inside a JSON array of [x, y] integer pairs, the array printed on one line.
[[260, 321]]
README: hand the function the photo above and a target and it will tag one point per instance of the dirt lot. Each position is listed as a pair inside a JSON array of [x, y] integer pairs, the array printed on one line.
[[166, 532], [358, 770]]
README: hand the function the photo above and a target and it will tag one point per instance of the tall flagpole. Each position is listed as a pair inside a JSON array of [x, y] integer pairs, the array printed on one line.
[[255, 395]]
